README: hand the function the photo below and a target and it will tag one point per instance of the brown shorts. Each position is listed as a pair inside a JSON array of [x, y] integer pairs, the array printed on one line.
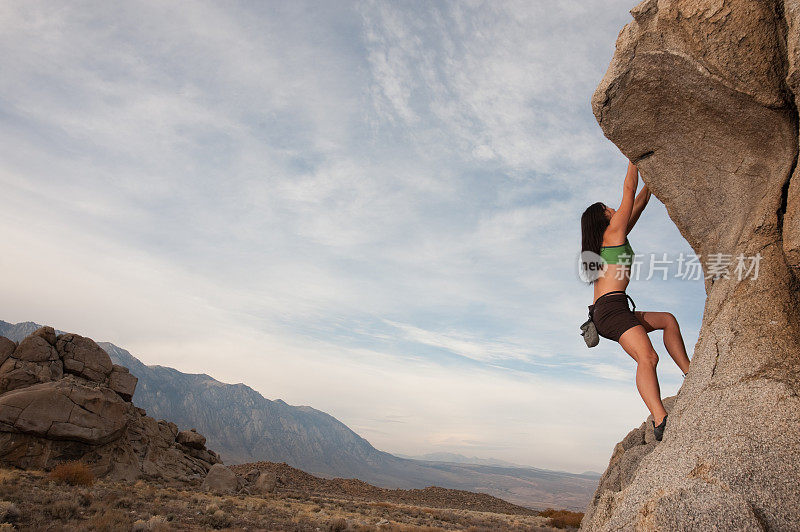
[[612, 316]]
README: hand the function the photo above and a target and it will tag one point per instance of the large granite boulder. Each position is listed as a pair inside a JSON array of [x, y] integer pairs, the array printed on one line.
[[62, 399], [265, 483], [220, 479], [702, 95], [83, 357], [34, 360], [35, 349], [7, 348], [121, 381], [47, 333], [191, 438], [65, 409]]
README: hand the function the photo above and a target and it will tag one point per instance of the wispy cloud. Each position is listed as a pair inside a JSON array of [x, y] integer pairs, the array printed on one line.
[[466, 345]]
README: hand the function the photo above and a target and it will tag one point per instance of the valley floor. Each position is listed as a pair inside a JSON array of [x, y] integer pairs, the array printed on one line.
[[31, 500]]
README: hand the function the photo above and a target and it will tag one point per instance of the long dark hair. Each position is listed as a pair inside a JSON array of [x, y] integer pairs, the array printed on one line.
[[593, 225]]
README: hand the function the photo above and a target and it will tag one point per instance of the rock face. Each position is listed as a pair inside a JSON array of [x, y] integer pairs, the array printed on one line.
[[61, 398], [702, 95]]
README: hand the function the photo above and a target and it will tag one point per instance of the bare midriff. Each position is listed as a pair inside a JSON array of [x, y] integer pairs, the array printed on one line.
[[616, 273], [614, 277]]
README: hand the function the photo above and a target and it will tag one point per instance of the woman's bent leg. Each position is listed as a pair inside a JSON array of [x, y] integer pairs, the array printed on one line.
[[673, 340], [636, 343]]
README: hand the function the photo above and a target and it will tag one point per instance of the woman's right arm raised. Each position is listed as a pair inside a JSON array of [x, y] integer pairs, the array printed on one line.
[[619, 222]]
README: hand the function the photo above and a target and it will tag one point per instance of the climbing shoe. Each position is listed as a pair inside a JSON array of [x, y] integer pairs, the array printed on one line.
[[659, 429]]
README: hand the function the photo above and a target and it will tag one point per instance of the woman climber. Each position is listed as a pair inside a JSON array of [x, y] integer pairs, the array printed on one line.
[[604, 234]]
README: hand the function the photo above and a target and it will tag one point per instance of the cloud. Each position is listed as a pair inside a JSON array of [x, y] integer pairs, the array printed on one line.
[[462, 344]]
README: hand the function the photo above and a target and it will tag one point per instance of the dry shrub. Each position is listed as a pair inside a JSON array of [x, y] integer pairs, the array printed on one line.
[[111, 520], [218, 519], [84, 498], [156, 523], [9, 512], [364, 528], [74, 472], [9, 476], [338, 525], [383, 504], [441, 514], [227, 505], [124, 502], [563, 518], [63, 509]]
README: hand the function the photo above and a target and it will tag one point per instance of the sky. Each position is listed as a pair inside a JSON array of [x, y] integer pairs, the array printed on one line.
[[371, 208]]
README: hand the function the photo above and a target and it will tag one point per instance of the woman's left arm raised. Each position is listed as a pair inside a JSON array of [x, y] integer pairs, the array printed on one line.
[[638, 206]]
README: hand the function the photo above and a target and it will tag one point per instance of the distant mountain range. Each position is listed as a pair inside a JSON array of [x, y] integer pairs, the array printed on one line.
[[243, 426], [456, 458]]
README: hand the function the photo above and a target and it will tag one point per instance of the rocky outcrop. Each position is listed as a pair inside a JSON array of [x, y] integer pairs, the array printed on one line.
[[61, 398], [702, 95]]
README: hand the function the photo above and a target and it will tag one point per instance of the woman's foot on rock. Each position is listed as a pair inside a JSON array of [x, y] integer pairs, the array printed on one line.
[[659, 429]]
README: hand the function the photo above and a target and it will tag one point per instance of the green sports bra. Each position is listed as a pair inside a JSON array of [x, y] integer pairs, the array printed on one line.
[[611, 254]]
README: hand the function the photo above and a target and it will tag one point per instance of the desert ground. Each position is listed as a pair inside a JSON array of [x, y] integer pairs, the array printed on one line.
[[75, 500]]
